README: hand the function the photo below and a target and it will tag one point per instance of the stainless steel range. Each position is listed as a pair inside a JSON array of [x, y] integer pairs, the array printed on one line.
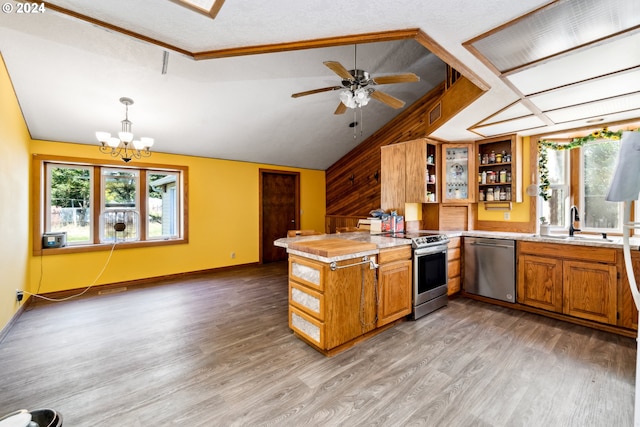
[[430, 273]]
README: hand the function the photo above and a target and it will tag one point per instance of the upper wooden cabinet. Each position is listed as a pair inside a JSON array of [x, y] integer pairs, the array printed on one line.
[[409, 174], [458, 179], [499, 169]]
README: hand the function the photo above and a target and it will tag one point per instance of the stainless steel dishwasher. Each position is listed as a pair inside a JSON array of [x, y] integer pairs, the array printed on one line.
[[489, 268]]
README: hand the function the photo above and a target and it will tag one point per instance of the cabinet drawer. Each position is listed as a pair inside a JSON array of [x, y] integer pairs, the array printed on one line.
[[568, 251], [307, 272], [453, 254], [453, 285], [394, 254], [307, 327], [453, 268], [307, 300]]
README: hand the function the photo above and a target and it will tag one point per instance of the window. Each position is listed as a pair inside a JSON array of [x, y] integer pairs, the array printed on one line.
[[101, 204], [68, 201], [581, 176], [557, 207], [597, 164]]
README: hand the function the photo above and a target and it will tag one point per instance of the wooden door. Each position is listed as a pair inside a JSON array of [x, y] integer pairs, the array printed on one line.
[[540, 282], [279, 211], [590, 291]]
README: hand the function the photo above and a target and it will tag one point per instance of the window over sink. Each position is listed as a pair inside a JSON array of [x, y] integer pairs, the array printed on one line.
[[581, 176]]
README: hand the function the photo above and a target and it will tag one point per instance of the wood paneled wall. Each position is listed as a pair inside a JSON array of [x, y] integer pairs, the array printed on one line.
[[361, 194], [353, 182]]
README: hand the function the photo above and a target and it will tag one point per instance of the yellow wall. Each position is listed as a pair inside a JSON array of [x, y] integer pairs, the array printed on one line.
[[223, 218], [14, 199], [519, 211]]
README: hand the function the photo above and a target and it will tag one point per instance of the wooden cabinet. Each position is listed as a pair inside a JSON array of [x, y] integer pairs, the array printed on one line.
[[540, 282], [589, 291], [394, 284], [409, 174], [499, 170], [392, 178], [457, 173], [328, 308], [579, 281], [454, 265], [628, 314]]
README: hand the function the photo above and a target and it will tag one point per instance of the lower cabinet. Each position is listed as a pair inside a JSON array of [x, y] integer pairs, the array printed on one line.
[[328, 308], [454, 265], [394, 284], [579, 281]]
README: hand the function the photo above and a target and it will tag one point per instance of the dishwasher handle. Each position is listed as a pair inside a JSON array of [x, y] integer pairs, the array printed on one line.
[[491, 245]]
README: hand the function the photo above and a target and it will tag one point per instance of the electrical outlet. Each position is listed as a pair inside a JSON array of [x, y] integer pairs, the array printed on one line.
[[19, 295], [233, 255], [507, 216]]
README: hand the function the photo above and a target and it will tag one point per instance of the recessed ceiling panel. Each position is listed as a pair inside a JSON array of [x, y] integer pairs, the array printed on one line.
[[596, 109], [511, 126], [511, 112], [605, 87], [557, 28], [619, 54]]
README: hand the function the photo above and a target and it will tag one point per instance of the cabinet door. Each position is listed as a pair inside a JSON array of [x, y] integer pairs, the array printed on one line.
[[540, 282], [626, 306], [394, 288], [590, 291], [392, 178], [457, 170]]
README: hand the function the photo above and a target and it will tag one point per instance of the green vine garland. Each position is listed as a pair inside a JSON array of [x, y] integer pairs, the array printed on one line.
[[545, 184]]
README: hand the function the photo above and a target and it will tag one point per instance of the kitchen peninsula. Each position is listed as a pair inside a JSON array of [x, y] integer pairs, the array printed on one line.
[[345, 288]]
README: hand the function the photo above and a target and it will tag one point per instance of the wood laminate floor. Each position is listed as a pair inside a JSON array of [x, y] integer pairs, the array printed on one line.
[[215, 350]]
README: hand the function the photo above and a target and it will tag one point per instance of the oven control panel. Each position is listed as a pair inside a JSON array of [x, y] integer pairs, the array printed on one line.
[[424, 241]]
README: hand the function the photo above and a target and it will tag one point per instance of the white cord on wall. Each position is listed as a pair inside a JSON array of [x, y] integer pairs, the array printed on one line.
[[76, 295]]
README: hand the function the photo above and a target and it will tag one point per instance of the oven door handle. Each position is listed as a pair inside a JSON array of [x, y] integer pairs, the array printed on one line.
[[429, 251]]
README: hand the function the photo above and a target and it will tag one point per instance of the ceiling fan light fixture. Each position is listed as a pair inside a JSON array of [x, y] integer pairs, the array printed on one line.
[[347, 98]]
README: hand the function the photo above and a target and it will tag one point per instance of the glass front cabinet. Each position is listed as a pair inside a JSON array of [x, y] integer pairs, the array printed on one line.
[[457, 170]]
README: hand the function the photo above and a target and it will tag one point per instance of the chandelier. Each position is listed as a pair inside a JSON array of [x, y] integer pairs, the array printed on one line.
[[355, 98], [124, 145]]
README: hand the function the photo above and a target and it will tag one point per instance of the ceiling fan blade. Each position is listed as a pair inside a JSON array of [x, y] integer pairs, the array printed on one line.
[[397, 78], [341, 109], [311, 92], [339, 69], [387, 99]]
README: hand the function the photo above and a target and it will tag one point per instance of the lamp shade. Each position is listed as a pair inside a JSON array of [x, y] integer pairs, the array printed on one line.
[[125, 136], [103, 136], [146, 142]]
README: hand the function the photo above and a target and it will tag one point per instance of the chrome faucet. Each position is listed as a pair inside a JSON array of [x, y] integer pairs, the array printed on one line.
[[573, 217]]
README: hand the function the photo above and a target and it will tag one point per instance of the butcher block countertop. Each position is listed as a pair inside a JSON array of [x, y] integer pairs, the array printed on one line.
[[338, 247]]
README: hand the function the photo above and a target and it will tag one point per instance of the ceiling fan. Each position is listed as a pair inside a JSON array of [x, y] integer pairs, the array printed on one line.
[[356, 90]]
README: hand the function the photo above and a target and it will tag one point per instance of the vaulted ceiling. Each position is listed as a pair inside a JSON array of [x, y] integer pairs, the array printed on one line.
[[221, 86]]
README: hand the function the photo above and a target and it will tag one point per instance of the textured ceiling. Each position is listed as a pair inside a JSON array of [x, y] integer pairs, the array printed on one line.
[[69, 72]]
